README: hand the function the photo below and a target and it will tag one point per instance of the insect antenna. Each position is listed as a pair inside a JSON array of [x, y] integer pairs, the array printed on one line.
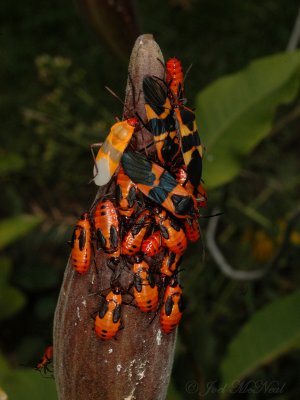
[[114, 94], [187, 72]]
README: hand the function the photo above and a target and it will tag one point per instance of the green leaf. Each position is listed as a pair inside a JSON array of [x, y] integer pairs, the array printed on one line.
[[11, 299], [13, 228], [26, 384], [5, 268], [236, 112], [4, 367], [10, 162], [272, 331]]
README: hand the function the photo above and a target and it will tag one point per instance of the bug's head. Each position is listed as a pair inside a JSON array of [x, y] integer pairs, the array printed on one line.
[[84, 216], [138, 259], [133, 121]]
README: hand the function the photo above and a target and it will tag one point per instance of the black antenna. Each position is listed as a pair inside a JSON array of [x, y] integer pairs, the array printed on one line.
[[114, 94]]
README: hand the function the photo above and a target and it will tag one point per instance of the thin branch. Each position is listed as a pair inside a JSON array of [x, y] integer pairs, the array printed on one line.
[[295, 35], [220, 259], [233, 273]]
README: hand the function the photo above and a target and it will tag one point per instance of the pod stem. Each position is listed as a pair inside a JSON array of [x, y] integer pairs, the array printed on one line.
[[138, 363]]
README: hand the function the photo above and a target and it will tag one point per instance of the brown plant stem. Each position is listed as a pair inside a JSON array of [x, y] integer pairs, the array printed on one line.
[[137, 365]]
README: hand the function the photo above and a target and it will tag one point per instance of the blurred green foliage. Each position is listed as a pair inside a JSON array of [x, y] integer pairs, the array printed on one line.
[[11, 299], [54, 106], [279, 332], [236, 112], [25, 384]]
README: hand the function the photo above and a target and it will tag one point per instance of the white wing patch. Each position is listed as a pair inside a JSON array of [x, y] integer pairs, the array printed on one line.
[[102, 173]]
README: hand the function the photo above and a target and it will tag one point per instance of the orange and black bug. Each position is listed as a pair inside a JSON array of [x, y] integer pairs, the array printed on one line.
[[108, 158], [108, 318], [190, 144], [107, 229], [81, 244], [172, 234], [170, 263], [172, 307], [133, 239], [191, 147], [152, 245], [44, 365], [175, 78], [159, 185], [145, 290], [160, 121], [126, 193], [192, 229]]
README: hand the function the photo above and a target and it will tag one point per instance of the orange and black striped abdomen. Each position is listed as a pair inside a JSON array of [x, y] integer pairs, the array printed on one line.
[[159, 185], [172, 308], [191, 147], [81, 244], [107, 227], [152, 245], [126, 192], [108, 319], [175, 78], [145, 290], [133, 239], [173, 236], [160, 120], [190, 144]]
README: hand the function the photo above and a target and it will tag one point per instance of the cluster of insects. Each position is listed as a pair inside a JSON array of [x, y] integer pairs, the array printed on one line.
[[151, 212]]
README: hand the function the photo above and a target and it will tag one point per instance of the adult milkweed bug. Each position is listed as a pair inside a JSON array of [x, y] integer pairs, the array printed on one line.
[[81, 244], [152, 245], [175, 78], [43, 366], [145, 290], [172, 234], [133, 239], [108, 157], [126, 193], [170, 263], [190, 144], [172, 306], [160, 121], [191, 147], [192, 229], [108, 318], [159, 185], [106, 223], [186, 127]]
